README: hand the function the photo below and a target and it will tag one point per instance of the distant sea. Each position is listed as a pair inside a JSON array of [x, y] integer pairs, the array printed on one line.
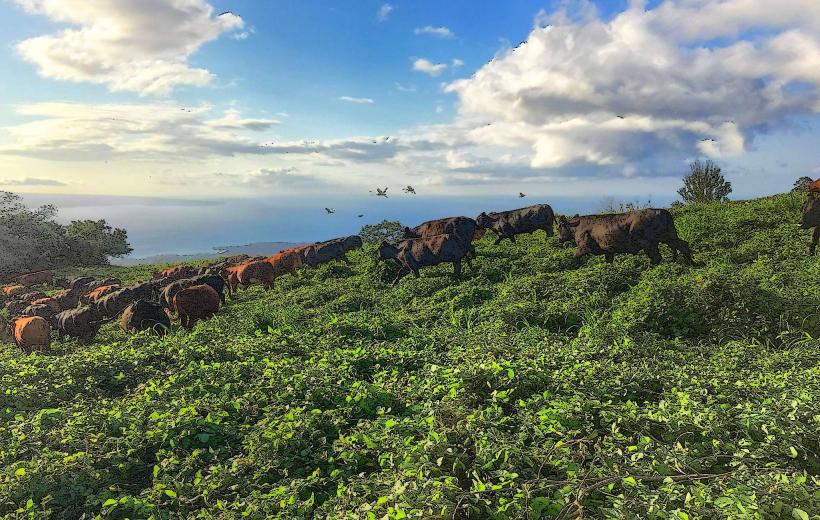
[[164, 226]]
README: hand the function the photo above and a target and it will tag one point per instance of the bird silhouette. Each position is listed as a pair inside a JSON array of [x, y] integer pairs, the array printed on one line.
[[361, 215], [521, 195], [224, 13], [381, 192], [409, 189], [330, 210]]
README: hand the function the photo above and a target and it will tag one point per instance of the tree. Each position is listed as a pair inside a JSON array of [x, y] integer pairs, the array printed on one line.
[[390, 230], [97, 241], [705, 183], [802, 184]]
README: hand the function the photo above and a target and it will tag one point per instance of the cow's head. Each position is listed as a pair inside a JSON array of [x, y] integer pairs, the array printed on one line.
[[484, 220], [810, 213], [387, 250], [566, 229]]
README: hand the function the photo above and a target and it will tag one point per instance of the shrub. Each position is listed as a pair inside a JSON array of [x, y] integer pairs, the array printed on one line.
[[705, 183]]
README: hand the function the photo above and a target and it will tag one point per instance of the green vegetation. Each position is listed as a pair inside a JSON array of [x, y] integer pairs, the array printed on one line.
[[31, 240], [532, 389]]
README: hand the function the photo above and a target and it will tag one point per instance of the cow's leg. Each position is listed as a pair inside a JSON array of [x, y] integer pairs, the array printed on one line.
[[498, 239], [653, 253], [548, 230], [610, 257], [814, 239], [457, 269], [345, 259], [683, 247], [403, 271]]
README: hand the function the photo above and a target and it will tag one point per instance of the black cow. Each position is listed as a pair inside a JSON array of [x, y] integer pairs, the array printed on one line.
[[42, 310], [216, 282], [329, 250], [507, 224], [145, 315], [810, 218], [633, 232], [112, 304], [416, 253], [82, 323]]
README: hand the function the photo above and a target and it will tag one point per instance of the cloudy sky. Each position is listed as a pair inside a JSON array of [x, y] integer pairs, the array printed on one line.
[[305, 103]]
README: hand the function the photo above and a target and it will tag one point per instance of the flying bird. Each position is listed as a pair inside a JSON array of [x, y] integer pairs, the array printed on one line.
[[224, 13], [521, 195], [409, 189], [381, 192], [361, 215], [330, 210]]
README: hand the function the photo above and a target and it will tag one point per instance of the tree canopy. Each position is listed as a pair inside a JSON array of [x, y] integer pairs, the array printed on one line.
[[32, 240], [705, 183]]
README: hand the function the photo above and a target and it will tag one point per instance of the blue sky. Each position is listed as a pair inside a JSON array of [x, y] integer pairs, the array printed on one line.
[[307, 104]]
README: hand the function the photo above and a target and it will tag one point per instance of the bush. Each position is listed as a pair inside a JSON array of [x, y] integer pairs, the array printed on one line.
[[705, 183]]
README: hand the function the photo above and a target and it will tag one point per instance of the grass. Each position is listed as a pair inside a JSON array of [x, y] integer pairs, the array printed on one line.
[[531, 389]]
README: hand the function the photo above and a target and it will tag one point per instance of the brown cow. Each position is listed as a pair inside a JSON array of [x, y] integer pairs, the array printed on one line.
[[461, 226], [82, 323], [284, 263], [11, 291], [633, 232], [98, 293], [507, 224], [416, 253], [810, 218], [814, 187], [31, 333], [32, 279], [51, 303], [177, 273], [260, 271], [191, 304]]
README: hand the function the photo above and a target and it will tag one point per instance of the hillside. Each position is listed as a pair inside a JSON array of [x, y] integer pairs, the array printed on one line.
[[252, 249], [532, 389]]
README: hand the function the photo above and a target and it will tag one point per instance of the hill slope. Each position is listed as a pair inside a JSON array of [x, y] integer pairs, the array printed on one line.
[[531, 389]]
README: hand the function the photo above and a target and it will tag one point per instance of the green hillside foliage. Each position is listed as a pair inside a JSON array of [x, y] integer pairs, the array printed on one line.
[[531, 389]]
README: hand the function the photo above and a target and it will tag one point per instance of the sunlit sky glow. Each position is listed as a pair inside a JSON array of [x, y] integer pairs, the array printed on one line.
[[323, 101]]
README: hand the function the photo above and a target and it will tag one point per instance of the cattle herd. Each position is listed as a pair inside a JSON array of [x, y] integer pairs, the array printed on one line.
[[190, 294]]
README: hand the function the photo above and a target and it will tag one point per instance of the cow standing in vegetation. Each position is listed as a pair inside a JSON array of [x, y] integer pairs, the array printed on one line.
[[216, 282], [30, 333], [416, 253], [810, 218], [38, 278], [633, 232], [41, 310], [176, 273], [507, 224], [463, 227], [329, 250], [10, 291], [82, 323], [245, 274], [98, 293], [195, 303], [111, 305], [144, 315]]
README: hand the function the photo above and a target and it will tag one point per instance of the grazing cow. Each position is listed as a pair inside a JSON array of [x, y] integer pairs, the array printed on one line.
[[507, 224], [51, 303], [416, 253], [98, 293], [10, 291], [245, 274], [329, 250], [79, 284], [45, 311], [198, 302], [177, 273], [16, 307], [285, 263], [31, 296], [144, 315], [111, 305], [96, 284], [30, 333], [216, 282], [810, 218], [82, 323], [66, 299], [633, 232], [32, 279], [463, 227]]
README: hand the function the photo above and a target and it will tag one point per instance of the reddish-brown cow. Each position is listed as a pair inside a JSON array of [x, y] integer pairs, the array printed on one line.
[[192, 304], [32, 333]]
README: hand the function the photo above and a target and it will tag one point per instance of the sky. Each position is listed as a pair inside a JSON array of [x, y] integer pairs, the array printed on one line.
[[197, 123]]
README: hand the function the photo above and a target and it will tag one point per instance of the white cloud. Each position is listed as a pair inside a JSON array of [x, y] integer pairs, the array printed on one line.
[[359, 100], [76, 131], [404, 88], [647, 83], [441, 32], [457, 63], [243, 35], [127, 45], [384, 12], [428, 67], [32, 181]]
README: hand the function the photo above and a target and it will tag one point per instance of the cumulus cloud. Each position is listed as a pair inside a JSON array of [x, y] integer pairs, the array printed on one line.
[[359, 100], [685, 78], [384, 12], [77, 131], [127, 45], [428, 67], [32, 181], [441, 32], [457, 63]]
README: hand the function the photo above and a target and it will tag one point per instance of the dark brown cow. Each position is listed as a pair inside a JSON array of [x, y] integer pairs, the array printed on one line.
[[176, 273], [112, 304], [416, 253], [38, 278], [79, 284], [30, 333], [464, 227], [507, 224], [633, 232], [327, 251], [195, 303], [810, 218], [96, 284], [145, 315], [814, 187], [216, 282], [64, 300], [31, 296], [82, 323], [16, 307], [47, 312], [11, 291]]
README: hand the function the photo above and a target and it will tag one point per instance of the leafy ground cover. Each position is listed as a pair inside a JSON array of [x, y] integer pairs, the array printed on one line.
[[531, 389]]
